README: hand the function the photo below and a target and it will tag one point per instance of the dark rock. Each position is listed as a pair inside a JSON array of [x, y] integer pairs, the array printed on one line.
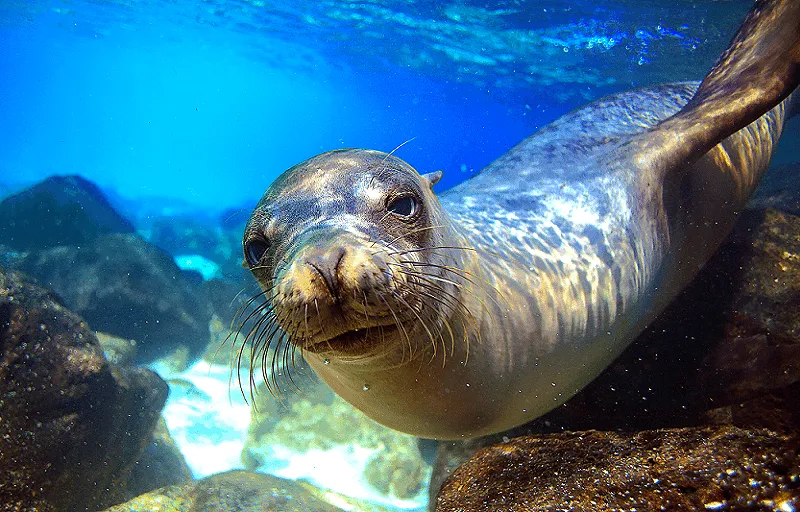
[[727, 351], [229, 298], [767, 291], [72, 424], [118, 351], [778, 410], [233, 491], [710, 468], [779, 189], [160, 465], [62, 210], [124, 286], [218, 240], [187, 234]]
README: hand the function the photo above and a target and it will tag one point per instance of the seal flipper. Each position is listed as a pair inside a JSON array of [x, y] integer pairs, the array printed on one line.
[[760, 68]]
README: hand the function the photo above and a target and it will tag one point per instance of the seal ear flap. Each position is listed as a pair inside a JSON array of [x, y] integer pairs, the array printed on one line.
[[760, 68], [432, 178]]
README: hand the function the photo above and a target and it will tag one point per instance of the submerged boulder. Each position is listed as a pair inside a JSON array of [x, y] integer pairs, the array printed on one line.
[[701, 468], [73, 425], [233, 491], [61, 210], [160, 465], [65, 233], [127, 287]]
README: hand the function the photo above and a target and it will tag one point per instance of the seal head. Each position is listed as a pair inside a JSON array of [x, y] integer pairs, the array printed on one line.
[[349, 246]]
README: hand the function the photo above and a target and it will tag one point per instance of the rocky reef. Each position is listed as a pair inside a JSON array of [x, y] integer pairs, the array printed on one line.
[[65, 233], [61, 210], [238, 491], [698, 468], [73, 425]]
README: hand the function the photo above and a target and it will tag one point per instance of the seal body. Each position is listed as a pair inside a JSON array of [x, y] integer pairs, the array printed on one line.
[[591, 248], [480, 310]]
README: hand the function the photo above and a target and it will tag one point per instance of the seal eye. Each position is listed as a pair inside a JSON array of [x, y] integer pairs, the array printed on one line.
[[254, 250], [405, 206]]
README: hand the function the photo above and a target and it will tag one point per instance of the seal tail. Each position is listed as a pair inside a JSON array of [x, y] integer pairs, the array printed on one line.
[[760, 68]]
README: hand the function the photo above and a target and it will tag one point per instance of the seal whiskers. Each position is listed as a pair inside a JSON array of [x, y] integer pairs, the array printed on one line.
[[446, 322], [457, 307]]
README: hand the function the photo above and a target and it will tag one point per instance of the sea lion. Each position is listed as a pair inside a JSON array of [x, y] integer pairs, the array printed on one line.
[[479, 310]]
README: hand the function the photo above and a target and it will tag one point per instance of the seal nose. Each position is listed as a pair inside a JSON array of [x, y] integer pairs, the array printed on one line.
[[327, 263]]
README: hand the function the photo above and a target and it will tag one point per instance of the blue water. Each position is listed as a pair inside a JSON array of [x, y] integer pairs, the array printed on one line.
[[207, 102], [198, 106]]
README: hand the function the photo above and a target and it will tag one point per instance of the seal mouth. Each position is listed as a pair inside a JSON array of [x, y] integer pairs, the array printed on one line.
[[354, 341]]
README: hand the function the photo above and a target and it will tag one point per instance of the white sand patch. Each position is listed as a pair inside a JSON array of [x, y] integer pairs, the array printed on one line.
[[208, 419], [339, 469], [208, 422]]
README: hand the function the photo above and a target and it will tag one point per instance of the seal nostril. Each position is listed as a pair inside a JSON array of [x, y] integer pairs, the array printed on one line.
[[327, 266], [339, 255]]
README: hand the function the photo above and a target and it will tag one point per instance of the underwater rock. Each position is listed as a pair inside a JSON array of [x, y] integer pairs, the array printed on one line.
[[700, 468], [397, 470], [779, 189], [229, 298], [118, 351], [752, 375], [187, 234], [160, 465], [218, 240], [61, 210], [726, 351], [72, 423], [232, 491], [767, 291], [318, 424], [127, 287]]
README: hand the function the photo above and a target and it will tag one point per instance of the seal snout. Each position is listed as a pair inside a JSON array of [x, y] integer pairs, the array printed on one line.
[[326, 264], [339, 289]]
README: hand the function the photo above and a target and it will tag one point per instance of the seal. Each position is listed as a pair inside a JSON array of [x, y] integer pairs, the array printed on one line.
[[478, 310]]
